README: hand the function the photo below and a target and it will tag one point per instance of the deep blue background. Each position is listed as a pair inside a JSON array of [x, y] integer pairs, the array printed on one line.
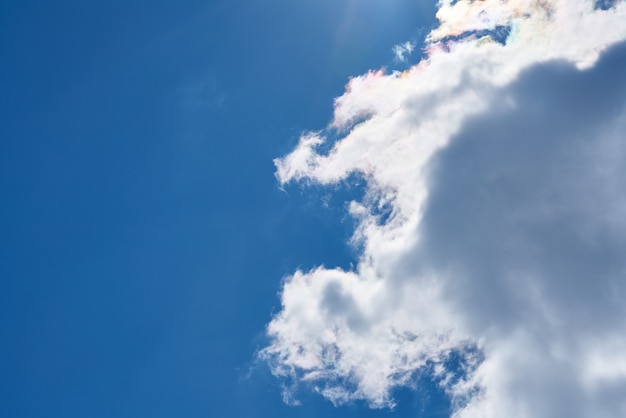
[[143, 236]]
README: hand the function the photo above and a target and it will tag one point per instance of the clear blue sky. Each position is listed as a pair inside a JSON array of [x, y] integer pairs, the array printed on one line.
[[143, 236]]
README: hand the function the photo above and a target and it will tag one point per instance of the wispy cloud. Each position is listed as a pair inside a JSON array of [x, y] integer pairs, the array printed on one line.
[[501, 157], [203, 93], [401, 51]]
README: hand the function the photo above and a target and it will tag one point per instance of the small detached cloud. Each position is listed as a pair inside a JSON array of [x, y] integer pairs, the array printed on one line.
[[401, 51], [498, 266]]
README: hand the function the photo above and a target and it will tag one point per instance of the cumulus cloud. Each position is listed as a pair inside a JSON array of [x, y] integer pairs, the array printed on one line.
[[493, 227]]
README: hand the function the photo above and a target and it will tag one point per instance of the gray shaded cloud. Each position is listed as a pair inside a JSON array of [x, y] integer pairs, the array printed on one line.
[[535, 184]]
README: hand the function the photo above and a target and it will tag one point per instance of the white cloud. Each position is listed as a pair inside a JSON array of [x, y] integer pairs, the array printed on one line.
[[401, 51], [503, 166]]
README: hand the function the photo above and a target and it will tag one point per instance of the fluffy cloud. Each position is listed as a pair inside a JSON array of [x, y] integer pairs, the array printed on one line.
[[493, 228]]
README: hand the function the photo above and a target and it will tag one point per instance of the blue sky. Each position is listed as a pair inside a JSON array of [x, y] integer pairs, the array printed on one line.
[[143, 234], [201, 218]]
